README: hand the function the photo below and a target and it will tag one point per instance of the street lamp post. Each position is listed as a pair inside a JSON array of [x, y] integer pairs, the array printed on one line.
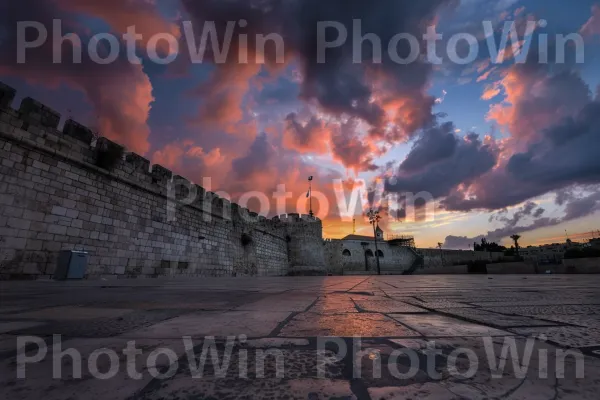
[[441, 252], [310, 212], [374, 218]]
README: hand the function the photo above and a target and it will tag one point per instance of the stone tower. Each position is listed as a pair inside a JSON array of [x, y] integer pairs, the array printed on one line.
[[304, 235]]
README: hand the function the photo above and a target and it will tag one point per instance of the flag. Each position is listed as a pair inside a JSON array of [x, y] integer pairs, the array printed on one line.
[[308, 194]]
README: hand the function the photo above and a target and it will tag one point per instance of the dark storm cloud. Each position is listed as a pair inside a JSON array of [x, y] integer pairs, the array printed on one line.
[[339, 85], [576, 206], [120, 92], [435, 144], [304, 136], [530, 209], [568, 152], [554, 125], [281, 91], [350, 149], [258, 159], [470, 159]]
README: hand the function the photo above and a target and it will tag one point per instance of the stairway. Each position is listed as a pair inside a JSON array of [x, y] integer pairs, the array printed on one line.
[[419, 262]]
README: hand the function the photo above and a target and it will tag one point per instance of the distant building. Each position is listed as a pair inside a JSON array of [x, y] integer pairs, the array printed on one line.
[[549, 253], [356, 254]]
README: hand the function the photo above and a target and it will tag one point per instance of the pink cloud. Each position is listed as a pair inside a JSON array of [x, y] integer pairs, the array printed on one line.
[[120, 93], [121, 14], [592, 26]]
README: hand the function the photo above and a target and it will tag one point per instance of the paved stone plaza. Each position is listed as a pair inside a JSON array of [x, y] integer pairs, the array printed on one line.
[[304, 326]]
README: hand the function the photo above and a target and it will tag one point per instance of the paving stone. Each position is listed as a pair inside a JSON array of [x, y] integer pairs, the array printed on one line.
[[298, 379], [8, 343], [11, 310], [495, 319], [74, 313], [337, 306], [171, 307], [103, 327], [414, 344], [276, 342], [213, 323], [6, 327], [591, 321], [195, 306], [426, 390], [361, 324], [388, 306], [439, 304], [568, 336], [39, 379], [546, 310], [553, 301], [279, 303], [439, 325], [539, 379]]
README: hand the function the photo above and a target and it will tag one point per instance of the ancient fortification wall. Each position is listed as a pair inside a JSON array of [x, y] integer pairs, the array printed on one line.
[[434, 257], [359, 256], [65, 190]]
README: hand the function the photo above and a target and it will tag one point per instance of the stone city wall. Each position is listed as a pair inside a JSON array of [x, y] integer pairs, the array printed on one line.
[[511, 268], [433, 257], [447, 270], [65, 190], [581, 266], [349, 255]]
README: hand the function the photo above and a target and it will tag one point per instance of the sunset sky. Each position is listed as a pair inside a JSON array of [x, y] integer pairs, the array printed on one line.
[[502, 148]]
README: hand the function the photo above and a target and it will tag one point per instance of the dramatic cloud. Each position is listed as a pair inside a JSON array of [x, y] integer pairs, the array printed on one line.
[[566, 154], [120, 15], [120, 93], [348, 147], [443, 169], [340, 86], [257, 162], [576, 205], [592, 26], [529, 209], [435, 144], [223, 96], [553, 139], [185, 156], [308, 137], [536, 99]]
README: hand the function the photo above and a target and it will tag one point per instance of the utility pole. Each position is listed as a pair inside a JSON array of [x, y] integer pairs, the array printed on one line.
[[374, 218]]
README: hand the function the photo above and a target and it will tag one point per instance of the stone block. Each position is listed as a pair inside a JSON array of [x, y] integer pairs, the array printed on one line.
[[108, 153], [138, 162], [7, 95], [160, 173], [18, 223], [57, 229], [58, 210], [34, 111], [78, 131]]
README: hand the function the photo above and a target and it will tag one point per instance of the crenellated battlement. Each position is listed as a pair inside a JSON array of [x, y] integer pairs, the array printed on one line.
[[40, 123], [138, 218]]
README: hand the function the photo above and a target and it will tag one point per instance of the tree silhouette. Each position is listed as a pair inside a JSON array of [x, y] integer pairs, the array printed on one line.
[[441, 252], [516, 238], [488, 246]]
